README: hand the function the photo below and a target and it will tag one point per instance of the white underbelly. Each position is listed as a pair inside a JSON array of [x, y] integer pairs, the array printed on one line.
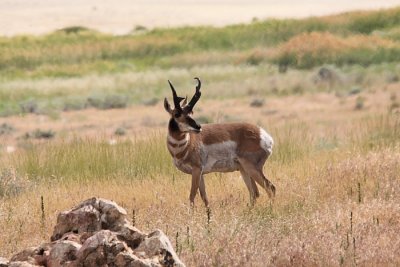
[[220, 157]]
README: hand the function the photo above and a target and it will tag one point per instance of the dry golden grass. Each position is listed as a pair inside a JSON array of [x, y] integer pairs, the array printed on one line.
[[336, 170], [308, 224]]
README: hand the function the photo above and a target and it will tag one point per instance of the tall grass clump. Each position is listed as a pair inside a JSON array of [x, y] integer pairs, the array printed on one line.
[[292, 142], [87, 159], [376, 132]]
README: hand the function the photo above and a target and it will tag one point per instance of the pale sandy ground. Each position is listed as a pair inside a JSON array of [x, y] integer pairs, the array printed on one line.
[[121, 16]]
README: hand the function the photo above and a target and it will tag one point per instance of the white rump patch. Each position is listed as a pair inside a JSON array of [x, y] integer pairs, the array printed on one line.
[[266, 141]]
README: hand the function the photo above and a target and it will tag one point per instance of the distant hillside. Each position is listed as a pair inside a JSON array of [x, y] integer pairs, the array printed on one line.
[[44, 16], [350, 38]]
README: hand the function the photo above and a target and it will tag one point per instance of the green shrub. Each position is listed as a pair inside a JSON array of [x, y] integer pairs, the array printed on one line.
[[74, 103], [41, 134], [108, 101], [10, 183], [367, 23]]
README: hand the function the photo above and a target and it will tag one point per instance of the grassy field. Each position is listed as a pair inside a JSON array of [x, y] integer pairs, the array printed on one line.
[[54, 69], [329, 97]]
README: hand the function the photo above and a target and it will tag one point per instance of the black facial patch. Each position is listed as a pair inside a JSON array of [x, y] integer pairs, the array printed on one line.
[[173, 126], [192, 123]]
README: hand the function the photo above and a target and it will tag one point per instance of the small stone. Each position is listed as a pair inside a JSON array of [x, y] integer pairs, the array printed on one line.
[[112, 215], [130, 235], [3, 262], [21, 264], [26, 255], [257, 103], [157, 243], [63, 252], [84, 219], [128, 259]]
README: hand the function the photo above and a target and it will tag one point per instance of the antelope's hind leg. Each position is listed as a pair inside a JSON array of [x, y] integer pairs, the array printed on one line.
[[251, 186], [257, 174]]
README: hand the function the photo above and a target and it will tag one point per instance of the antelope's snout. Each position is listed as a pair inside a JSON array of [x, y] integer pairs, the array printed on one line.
[[193, 125]]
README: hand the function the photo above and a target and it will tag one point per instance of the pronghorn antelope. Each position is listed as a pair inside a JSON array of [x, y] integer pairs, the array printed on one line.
[[222, 147]]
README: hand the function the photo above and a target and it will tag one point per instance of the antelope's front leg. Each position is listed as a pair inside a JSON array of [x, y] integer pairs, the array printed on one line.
[[203, 194], [196, 176]]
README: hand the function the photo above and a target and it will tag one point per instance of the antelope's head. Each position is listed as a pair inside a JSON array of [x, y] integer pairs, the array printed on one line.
[[181, 114]]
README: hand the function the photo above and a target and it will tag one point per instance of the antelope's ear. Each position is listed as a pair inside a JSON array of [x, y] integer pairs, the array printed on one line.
[[167, 106]]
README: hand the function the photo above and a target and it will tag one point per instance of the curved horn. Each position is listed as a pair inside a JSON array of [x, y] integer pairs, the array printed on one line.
[[177, 99], [198, 83], [195, 97], [185, 101]]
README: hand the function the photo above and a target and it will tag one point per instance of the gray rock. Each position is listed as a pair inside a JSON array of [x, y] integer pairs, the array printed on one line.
[[6, 128], [97, 233], [112, 215], [124, 259], [130, 235], [157, 243], [257, 102], [96, 248], [63, 252], [328, 76], [21, 264], [32, 255], [80, 220], [3, 262]]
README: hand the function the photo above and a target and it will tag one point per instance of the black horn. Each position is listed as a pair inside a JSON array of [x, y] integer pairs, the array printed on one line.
[[177, 99], [195, 97]]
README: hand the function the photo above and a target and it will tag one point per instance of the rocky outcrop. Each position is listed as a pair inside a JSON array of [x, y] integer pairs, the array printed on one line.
[[97, 233], [3, 262]]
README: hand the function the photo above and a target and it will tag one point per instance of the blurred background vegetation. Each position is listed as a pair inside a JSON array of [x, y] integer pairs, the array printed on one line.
[[76, 67]]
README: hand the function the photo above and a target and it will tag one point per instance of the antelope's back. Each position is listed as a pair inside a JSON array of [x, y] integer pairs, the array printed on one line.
[[248, 137]]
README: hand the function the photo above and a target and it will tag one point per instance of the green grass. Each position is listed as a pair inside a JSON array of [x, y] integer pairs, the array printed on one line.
[[64, 69], [79, 51], [88, 159]]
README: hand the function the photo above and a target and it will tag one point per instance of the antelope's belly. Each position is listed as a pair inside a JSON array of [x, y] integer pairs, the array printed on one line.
[[220, 157]]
